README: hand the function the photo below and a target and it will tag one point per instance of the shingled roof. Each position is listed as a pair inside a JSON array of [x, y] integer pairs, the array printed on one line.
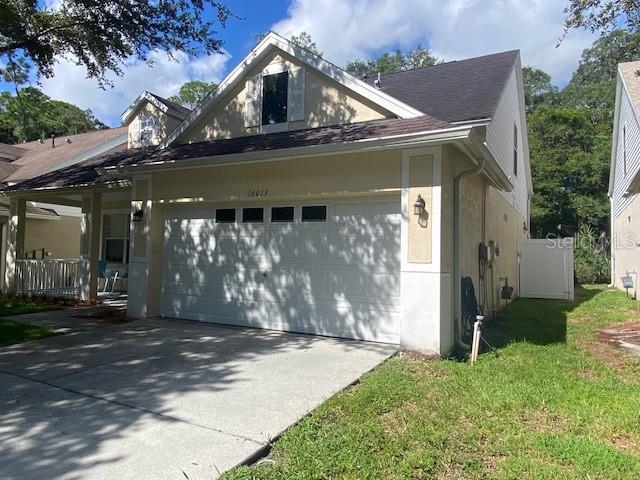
[[85, 174], [456, 91]]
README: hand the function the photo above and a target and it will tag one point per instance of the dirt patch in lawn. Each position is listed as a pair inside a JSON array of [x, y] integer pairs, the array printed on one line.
[[625, 336]]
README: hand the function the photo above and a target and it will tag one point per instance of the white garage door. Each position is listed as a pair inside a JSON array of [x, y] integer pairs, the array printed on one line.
[[333, 270]]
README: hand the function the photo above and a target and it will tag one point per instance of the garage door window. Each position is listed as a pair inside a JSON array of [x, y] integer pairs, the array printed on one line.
[[282, 214], [115, 247], [314, 213], [252, 215], [225, 215]]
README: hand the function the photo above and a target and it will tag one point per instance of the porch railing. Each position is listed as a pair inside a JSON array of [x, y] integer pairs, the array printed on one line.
[[48, 277]]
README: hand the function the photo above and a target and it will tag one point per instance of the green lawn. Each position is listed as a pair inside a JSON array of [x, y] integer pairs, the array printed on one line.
[[554, 403], [14, 332]]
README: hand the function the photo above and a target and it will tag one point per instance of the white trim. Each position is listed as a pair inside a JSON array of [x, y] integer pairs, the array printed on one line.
[[273, 40], [436, 211]]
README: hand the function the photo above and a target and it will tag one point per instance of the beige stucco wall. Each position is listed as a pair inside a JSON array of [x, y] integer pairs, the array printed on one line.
[[349, 174], [60, 237], [503, 225], [326, 103], [625, 252], [420, 229]]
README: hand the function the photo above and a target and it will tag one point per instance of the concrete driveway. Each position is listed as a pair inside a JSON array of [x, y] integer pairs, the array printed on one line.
[[156, 399]]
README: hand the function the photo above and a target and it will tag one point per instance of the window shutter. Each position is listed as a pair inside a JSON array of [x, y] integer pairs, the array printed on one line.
[[252, 102], [134, 130], [295, 107]]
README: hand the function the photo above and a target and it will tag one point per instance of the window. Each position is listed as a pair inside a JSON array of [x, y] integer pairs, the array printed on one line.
[[515, 150], [225, 215], [147, 129], [282, 214], [274, 98], [115, 233], [314, 213], [252, 215], [624, 149]]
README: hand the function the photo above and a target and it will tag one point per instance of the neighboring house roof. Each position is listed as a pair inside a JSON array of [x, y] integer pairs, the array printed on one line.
[[10, 152], [457, 91], [32, 211], [86, 174], [39, 158], [166, 106]]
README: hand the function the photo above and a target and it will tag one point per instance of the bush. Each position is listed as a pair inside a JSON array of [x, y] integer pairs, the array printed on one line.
[[591, 257]]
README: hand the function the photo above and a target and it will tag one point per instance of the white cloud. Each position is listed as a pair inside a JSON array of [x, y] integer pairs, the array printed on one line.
[[165, 78], [454, 30]]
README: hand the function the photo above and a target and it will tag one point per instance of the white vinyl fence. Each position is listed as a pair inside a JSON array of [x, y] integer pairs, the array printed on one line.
[[546, 268], [48, 277]]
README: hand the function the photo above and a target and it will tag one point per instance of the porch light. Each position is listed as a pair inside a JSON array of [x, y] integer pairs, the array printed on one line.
[[137, 215], [418, 207]]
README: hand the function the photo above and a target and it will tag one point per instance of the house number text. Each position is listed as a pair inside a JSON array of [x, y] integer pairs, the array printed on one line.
[[258, 193]]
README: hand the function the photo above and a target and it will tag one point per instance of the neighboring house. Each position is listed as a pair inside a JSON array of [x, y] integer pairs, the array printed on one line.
[[624, 178], [50, 228], [297, 197]]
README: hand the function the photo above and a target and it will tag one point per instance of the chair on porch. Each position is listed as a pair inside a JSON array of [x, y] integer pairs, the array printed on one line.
[[102, 273]]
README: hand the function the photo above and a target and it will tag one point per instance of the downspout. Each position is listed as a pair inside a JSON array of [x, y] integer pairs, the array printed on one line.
[[456, 251]]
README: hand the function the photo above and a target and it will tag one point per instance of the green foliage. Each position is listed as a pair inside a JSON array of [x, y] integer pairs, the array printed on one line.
[[569, 165], [591, 259], [538, 89], [593, 85], [102, 34], [193, 92], [546, 407], [43, 117], [602, 15], [304, 40], [391, 62]]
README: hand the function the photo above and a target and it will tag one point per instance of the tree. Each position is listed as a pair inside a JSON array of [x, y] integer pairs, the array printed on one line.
[[193, 92], [538, 89], [303, 39], [570, 169], [392, 62], [102, 34], [602, 15], [593, 84], [16, 72], [43, 117]]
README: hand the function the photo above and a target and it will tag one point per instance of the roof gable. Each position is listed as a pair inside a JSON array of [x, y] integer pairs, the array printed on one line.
[[273, 41], [457, 91], [165, 106]]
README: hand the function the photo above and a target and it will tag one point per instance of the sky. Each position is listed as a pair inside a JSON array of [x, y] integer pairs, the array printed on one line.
[[344, 30]]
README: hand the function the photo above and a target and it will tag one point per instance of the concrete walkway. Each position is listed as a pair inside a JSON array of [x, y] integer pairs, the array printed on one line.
[[159, 399]]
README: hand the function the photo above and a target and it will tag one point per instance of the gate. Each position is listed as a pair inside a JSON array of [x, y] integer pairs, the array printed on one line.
[[546, 268]]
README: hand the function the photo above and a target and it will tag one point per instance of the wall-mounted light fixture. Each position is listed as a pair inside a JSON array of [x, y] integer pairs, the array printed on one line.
[[137, 216], [419, 206]]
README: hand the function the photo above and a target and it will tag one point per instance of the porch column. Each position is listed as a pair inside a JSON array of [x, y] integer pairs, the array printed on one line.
[[90, 245], [14, 242]]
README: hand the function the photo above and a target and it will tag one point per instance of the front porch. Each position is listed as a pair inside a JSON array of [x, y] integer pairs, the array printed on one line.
[[101, 268]]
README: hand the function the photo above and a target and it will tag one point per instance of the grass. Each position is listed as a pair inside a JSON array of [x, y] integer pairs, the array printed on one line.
[[555, 403], [15, 332]]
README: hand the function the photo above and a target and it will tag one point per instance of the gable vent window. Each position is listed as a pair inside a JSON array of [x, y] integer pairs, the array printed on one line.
[[274, 98], [148, 129], [515, 150]]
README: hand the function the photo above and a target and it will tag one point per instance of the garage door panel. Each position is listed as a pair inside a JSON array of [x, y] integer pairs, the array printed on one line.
[[339, 277]]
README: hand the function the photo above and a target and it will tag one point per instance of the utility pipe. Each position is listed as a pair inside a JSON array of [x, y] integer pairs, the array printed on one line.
[[456, 251]]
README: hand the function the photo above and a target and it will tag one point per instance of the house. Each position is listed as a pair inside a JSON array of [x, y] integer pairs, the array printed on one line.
[[624, 179], [47, 226], [297, 197]]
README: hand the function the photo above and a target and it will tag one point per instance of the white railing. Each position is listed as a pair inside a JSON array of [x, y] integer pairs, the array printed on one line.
[[48, 277]]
